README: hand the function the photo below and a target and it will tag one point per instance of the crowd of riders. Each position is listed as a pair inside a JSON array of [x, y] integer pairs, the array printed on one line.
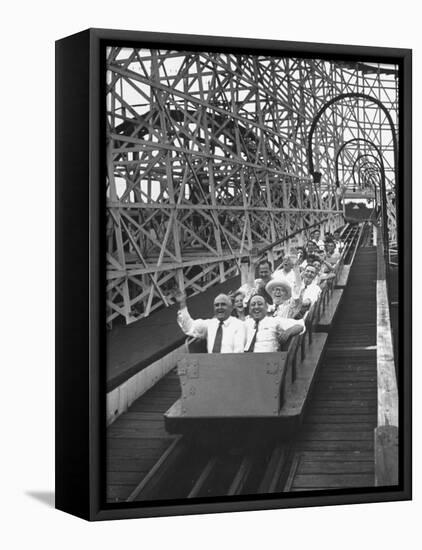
[[263, 315]]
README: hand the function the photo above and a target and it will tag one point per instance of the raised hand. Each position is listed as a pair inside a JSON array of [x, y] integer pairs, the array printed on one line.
[[295, 260], [259, 283], [180, 298]]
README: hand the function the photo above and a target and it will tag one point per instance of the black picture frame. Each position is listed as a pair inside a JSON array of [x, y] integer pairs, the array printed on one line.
[[80, 327]]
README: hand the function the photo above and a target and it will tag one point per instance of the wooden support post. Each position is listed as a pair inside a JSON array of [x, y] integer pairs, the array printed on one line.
[[386, 433], [386, 445]]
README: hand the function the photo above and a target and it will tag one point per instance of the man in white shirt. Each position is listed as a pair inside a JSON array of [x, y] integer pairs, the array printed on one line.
[[286, 273], [285, 295], [339, 245], [312, 250], [322, 276], [265, 334], [331, 258], [223, 333], [310, 291], [264, 276], [285, 302], [316, 237]]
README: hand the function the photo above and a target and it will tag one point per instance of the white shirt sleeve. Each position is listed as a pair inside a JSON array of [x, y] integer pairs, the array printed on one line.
[[313, 293], [286, 323], [234, 332], [296, 286], [198, 328]]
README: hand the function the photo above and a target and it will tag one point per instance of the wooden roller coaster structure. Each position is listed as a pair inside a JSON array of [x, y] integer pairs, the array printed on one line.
[[206, 163]]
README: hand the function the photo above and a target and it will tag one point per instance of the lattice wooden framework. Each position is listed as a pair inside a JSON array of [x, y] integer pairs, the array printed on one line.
[[206, 163]]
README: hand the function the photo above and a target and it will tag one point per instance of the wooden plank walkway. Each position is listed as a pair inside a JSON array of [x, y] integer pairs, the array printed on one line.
[[137, 439], [335, 448]]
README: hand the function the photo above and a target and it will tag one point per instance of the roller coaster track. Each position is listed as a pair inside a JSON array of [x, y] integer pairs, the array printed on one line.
[[206, 465]]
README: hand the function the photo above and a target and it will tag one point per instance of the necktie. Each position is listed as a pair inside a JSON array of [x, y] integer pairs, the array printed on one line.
[[218, 337], [252, 344]]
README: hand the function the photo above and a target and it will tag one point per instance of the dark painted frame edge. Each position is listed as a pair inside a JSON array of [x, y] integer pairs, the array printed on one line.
[[72, 383], [86, 429], [306, 48], [405, 260]]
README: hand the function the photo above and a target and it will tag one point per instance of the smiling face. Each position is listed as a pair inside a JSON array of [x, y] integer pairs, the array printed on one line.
[[264, 271], [317, 265], [258, 308], [310, 247], [279, 295], [330, 248], [287, 264], [309, 274], [222, 307], [238, 302]]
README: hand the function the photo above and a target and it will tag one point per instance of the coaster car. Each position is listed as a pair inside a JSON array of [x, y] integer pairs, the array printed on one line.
[[245, 390], [242, 391]]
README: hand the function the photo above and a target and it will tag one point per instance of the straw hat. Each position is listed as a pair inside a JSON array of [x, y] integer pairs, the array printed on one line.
[[274, 283]]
